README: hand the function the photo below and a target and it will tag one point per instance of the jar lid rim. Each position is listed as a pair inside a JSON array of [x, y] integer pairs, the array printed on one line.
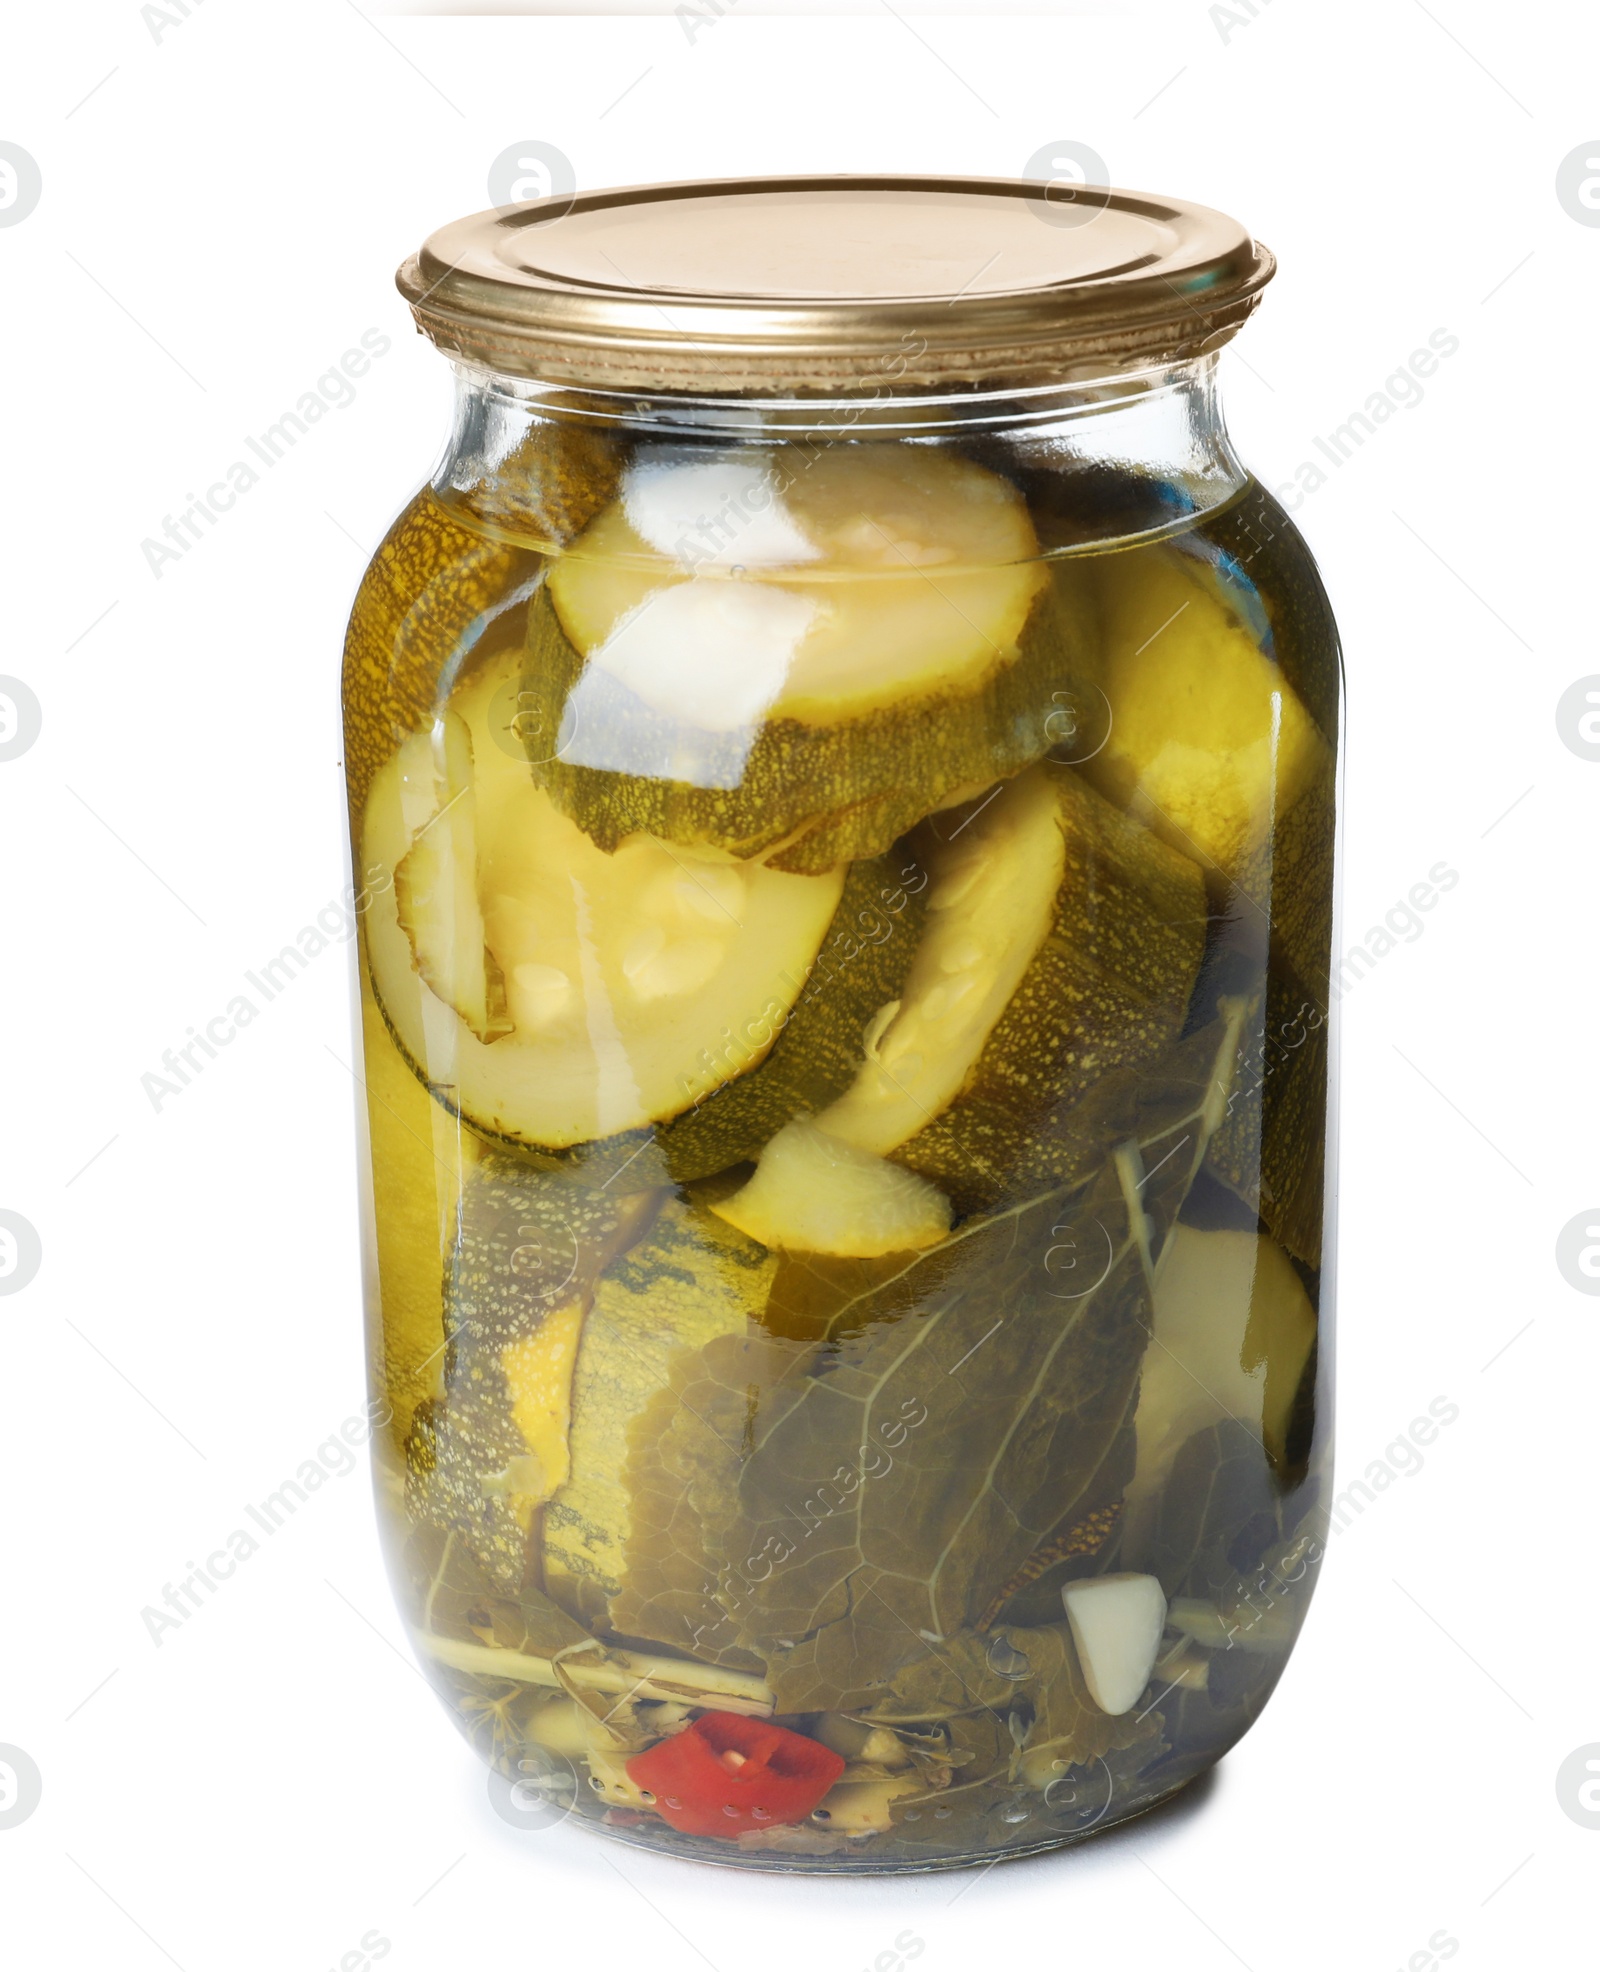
[[834, 282]]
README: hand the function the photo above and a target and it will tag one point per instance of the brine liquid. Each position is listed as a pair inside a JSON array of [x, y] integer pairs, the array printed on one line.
[[847, 1183]]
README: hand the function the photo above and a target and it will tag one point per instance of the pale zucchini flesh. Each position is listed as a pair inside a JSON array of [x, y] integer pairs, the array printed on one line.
[[829, 590], [812, 1193], [1233, 1332], [1209, 741]]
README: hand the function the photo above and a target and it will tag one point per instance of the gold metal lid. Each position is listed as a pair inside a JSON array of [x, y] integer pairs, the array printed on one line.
[[835, 283]]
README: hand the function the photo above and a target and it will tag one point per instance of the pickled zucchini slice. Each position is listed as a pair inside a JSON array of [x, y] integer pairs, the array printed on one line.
[[689, 1280], [1232, 1336], [1209, 742], [920, 577], [634, 984], [528, 1249], [1289, 876], [871, 642], [1062, 943], [812, 1193], [991, 906]]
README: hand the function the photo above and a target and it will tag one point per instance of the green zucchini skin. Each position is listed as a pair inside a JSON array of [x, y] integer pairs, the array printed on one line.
[[527, 1244], [803, 797]]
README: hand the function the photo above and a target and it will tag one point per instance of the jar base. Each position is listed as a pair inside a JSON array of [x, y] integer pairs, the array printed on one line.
[[781, 1864]]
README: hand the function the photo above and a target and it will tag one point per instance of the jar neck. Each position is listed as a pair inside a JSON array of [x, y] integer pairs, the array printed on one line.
[[1150, 447]]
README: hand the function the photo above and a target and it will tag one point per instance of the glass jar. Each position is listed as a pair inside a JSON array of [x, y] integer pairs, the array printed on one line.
[[842, 781]]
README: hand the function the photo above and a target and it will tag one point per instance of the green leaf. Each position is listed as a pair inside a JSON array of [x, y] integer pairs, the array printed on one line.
[[498, 1660], [1034, 1593], [897, 1484], [1221, 1512], [450, 1596], [685, 1582]]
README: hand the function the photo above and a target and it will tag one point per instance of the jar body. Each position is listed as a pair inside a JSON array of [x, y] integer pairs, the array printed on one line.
[[846, 902]]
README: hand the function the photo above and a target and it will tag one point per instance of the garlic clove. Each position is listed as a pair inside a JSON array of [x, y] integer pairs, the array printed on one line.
[[1116, 1623]]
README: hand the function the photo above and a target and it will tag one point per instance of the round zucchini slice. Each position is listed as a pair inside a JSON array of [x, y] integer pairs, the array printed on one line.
[[552, 993], [1062, 942], [689, 1280], [877, 573], [798, 661], [1210, 743]]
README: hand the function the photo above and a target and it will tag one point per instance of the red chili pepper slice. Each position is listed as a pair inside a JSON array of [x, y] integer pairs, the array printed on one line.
[[724, 1775]]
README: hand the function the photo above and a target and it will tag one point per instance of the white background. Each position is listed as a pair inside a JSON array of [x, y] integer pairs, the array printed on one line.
[[219, 222]]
